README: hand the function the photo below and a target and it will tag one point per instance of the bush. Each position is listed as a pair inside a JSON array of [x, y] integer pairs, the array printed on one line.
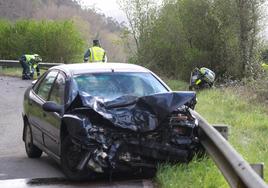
[[55, 41], [256, 90], [184, 34]]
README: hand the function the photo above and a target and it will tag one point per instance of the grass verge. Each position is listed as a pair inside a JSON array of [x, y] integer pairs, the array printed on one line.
[[176, 85], [248, 134], [15, 72], [11, 72]]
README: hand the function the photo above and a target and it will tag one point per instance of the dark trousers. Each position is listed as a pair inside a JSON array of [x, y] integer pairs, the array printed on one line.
[[37, 70], [25, 70]]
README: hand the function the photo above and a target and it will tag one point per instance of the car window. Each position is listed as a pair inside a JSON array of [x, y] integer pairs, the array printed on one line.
[[46, 84], [112, 85], [58, 90], [37, 83]]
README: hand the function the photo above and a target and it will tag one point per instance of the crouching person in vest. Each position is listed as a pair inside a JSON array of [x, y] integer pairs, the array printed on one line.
[[265, 66], [96, 53], [29, 64]]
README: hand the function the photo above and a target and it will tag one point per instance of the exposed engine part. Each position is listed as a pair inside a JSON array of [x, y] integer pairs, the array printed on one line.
[[138, 133], [94, 166], [84, 161]]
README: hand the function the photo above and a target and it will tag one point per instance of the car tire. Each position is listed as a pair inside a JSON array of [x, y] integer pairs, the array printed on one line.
[[71, 155], [31, 150]]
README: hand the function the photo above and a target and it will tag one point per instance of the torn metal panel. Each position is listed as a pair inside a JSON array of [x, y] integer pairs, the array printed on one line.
[[133, 132], [137, 114]]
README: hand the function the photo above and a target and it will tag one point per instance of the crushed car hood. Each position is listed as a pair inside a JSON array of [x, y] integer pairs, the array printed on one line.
[[139, 114]]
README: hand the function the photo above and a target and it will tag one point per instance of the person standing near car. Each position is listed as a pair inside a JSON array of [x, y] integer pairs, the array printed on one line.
[[30, 63], [95, 54]]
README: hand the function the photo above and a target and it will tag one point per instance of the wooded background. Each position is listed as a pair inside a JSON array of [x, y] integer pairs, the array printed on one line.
[[171, 38], [183, 34], [71, 27]]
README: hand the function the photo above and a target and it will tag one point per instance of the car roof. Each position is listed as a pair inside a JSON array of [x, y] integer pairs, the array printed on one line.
[[83, 68]]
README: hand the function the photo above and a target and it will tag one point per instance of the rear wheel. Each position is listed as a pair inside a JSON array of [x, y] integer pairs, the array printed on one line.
[[31, 150], [71, 155]]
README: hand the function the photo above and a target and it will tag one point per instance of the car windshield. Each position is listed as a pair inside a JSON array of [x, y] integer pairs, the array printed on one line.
[[109, 86]]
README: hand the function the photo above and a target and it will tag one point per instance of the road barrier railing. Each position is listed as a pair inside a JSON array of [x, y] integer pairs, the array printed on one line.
[[237, 171], [15, 63]]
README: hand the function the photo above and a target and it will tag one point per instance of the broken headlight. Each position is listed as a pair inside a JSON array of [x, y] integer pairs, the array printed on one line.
[[183, 128], [182, 124]]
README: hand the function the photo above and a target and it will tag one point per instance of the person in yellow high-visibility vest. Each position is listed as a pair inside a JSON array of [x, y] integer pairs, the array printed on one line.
[[265, 66], [29, 64], [201, 78], [96, 53]]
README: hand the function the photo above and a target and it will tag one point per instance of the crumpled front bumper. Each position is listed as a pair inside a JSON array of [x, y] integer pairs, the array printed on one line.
[[138, 133]]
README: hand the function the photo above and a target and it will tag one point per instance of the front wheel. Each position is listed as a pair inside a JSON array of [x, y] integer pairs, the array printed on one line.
[[71, 155], [31, 150]]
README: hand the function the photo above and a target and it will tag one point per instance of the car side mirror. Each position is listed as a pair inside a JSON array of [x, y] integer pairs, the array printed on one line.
[[52, 107]]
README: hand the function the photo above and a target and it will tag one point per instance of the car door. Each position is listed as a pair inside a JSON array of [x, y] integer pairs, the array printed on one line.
[[53, 119], [37, 97]]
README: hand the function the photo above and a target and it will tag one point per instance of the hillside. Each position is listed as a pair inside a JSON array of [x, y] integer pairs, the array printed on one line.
[[90, 23]]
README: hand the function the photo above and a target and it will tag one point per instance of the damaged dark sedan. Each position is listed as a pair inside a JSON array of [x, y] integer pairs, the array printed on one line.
[[108, 118]]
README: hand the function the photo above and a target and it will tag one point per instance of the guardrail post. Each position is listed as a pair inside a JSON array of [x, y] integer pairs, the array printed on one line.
[[258, 168], [222, 129]]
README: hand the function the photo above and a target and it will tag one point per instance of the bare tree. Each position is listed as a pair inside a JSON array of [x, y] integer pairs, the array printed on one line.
[[138, 13], [249, 14]]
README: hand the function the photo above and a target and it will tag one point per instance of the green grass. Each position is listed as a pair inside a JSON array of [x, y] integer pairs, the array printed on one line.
[[16, 72], [11, 72], [176, 85], [195, 174], [248, 134]]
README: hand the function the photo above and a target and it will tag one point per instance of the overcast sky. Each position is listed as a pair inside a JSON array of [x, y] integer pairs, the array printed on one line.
[[108, 7]]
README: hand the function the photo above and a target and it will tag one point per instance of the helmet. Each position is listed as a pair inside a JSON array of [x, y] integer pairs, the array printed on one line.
[[37, 58], [208, 74], [96, 42]]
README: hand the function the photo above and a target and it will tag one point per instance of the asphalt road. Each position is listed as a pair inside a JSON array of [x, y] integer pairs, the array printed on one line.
[[15, 168], [13, 160]]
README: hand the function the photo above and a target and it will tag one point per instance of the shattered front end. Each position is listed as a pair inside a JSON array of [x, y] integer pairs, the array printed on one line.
[[133, 133]]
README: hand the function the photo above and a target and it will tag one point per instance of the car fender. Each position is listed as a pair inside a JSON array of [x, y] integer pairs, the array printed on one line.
[[75, 125]]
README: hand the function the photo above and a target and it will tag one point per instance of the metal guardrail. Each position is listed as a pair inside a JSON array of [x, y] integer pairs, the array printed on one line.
[[15, 63], [237, 172]]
